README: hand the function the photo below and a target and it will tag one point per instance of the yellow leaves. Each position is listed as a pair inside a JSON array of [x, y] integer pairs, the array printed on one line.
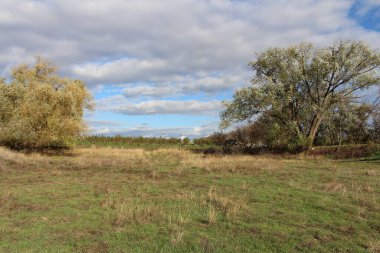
[[46, 110]]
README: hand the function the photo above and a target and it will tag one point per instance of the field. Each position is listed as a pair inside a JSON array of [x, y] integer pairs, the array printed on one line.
[[173, 200]]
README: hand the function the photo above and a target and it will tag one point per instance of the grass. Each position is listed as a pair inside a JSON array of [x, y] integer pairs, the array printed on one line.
[[150, 143], [171, 200]]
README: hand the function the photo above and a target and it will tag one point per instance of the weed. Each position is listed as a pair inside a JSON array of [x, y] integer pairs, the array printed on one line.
[[176, 236], [129, 211], [211, 214]]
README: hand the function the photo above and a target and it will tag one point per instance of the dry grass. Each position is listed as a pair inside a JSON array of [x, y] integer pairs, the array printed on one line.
[[136, 158], [231, 208], [130, 211], [233, 163], [374, 246], [109, 199], [335, 187], [7, 200], [211, 215], [177, 235], [76, 160]]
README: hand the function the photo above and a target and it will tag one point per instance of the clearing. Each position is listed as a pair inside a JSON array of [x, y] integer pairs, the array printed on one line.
[[171, 200]]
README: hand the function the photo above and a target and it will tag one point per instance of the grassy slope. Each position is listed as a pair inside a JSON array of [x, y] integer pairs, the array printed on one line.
[[115, 200]]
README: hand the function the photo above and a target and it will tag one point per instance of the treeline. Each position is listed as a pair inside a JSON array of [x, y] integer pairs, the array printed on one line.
[[360, 125], [119, 140]]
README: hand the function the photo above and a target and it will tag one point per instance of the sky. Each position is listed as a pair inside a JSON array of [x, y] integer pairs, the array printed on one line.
[[162, 68]]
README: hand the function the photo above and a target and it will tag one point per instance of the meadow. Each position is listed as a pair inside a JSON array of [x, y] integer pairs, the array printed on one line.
[[100, 199]]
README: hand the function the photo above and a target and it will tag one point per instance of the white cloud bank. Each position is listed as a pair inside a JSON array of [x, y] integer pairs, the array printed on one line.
[[121, 42], [120, 105], [146, 131], [168, 49]]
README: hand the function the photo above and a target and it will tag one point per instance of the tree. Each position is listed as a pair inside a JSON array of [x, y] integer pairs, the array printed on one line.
[[376, 125], [296, 87], [185, 141], [348, 125], [40, 109]]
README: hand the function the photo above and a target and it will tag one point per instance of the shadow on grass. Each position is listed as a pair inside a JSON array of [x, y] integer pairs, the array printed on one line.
[[51, 151], [370, 159], [375, 159]]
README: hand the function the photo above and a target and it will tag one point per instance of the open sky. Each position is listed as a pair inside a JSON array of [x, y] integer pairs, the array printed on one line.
[[162, 68]]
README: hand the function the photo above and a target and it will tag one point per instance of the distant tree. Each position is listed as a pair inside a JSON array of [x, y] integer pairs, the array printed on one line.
[[40, 109], [360, 128], [185, 141], [296, 88], [218, 138]]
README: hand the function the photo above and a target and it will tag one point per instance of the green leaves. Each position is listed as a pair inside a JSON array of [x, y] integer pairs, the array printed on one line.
[[247, 103], [294, 85]]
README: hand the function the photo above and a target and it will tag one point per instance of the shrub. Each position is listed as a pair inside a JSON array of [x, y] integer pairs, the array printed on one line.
[[40, 109]]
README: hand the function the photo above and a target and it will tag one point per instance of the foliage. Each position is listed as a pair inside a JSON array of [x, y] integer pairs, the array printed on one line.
[[376, 125], [127, 141], [216, 138], [353, 125], [40, 109], [356, 125], [186, 141], [295, 89]]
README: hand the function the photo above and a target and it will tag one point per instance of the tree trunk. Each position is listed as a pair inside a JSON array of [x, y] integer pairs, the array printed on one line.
[[339, 133], [313, 129]]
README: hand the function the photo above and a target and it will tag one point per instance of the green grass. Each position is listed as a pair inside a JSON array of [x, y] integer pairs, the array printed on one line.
[[129, 142], [122, 200], [147, 146]]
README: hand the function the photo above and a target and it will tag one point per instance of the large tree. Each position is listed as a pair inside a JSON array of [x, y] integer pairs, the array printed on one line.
[[296, 87], [40, 109]]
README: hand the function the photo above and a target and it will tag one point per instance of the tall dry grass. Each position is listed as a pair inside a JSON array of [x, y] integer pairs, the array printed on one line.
[[137, 158], [76, 159]]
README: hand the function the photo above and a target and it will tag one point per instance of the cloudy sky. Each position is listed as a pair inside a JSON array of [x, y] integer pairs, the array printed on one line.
[[161, 68]]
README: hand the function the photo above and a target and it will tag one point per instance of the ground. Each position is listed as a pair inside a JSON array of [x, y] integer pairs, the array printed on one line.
[[172, 200]]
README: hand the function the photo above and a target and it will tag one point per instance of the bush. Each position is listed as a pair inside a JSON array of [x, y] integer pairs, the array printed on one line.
[[120, 141], [40, 109]]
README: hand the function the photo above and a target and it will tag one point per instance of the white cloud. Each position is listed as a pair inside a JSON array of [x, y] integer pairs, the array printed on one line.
[[184, 85], [118, 41], [190, 107], [93, 122], [100, 131], [177, 132], [164, 49], [124, 70], [149, 91], [197, 130]]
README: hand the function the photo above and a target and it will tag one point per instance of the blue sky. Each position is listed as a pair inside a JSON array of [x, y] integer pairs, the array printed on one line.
[[162, 68]]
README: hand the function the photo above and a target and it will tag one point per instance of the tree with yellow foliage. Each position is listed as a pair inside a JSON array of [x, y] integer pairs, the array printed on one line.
[[40, 109]]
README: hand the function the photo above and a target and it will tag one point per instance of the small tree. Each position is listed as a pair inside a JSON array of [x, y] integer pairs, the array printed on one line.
[[186, 141], [40, 109], [298, 86]]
